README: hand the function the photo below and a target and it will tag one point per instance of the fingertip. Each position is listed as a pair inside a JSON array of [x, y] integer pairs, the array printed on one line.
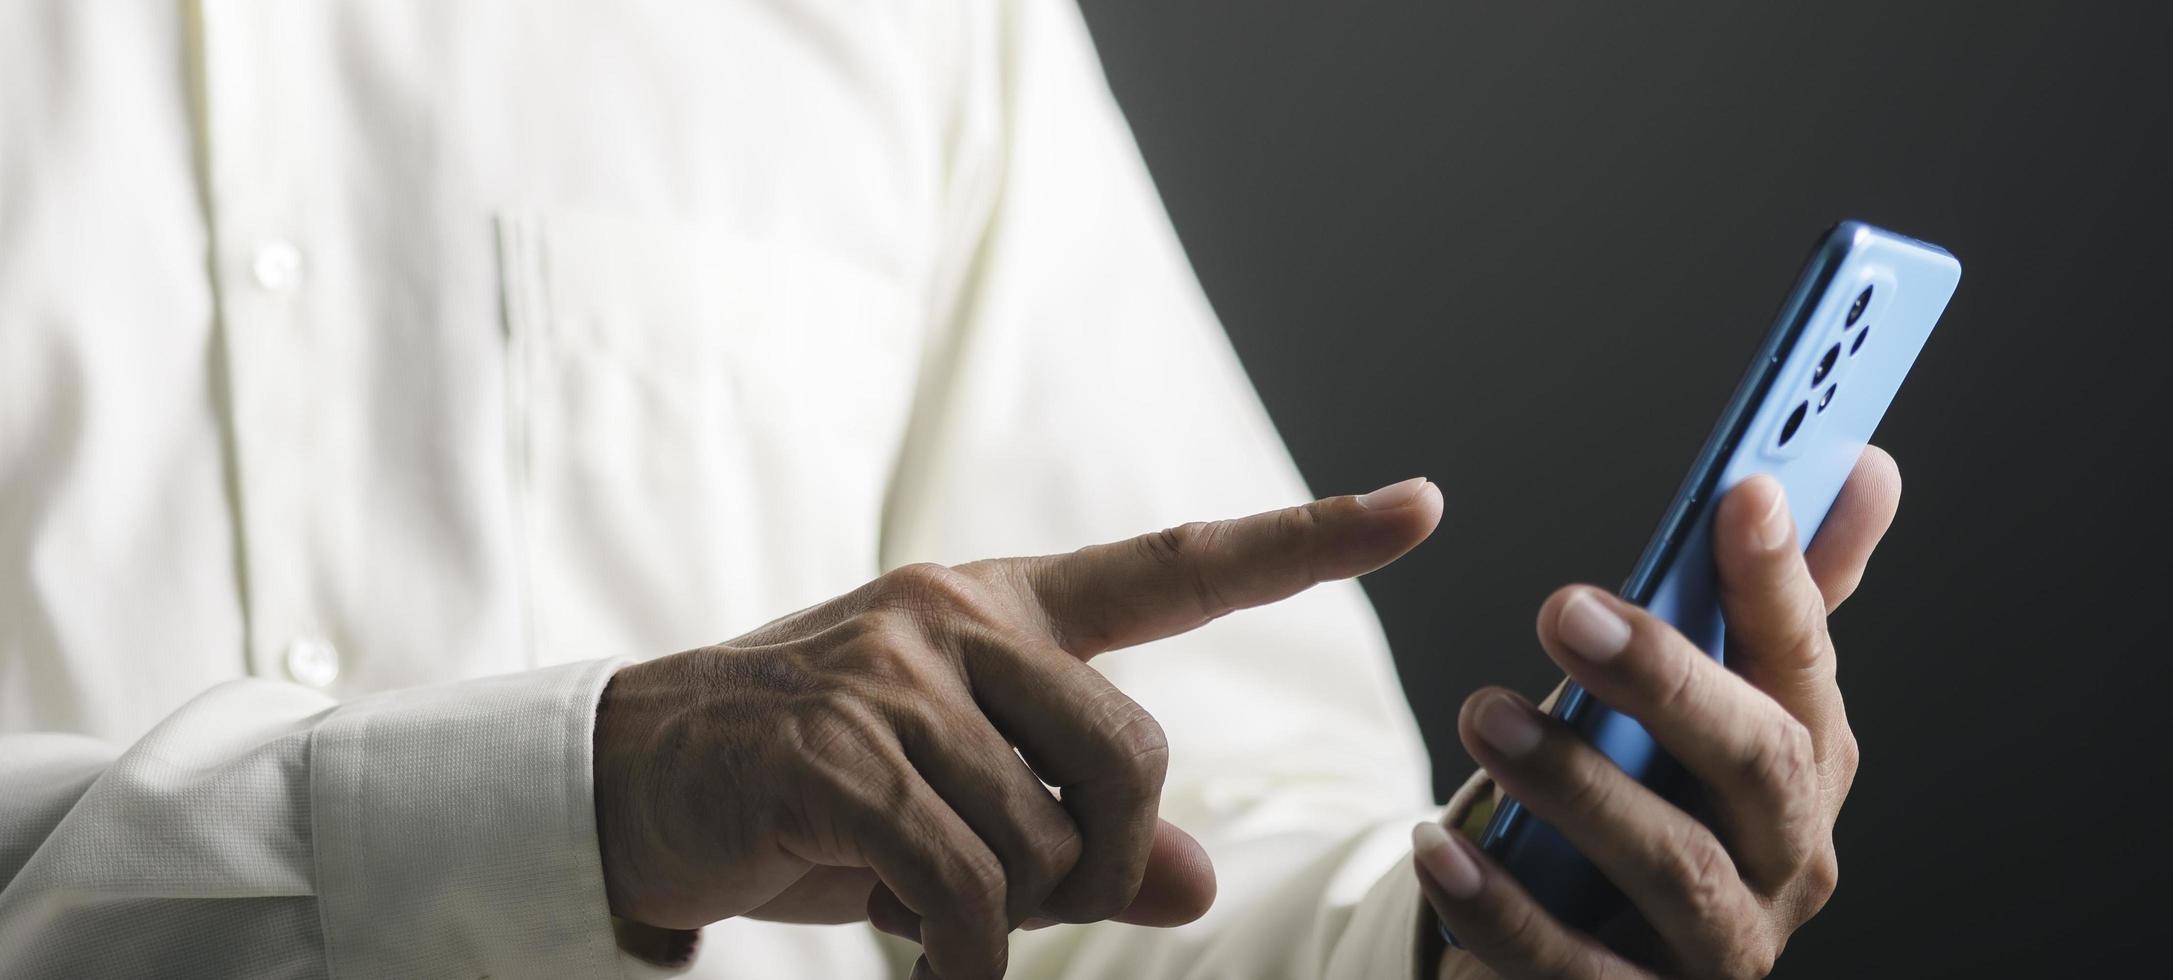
[[1880, 474], [1549, 609], [890, 915], [1395, 496], [1754, 514], [1467, 717], [1415, 506], [1549, 622], [1764, 488], [1182, 870], [1179, 885], [1428, 837], [1470, 708], [1445, 862], [1416, 521], [1878, 456], [1866, 505], [1431, 504], [1858, 520], [1367, 535]]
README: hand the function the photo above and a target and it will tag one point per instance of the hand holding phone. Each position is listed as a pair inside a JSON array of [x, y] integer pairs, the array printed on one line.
[[1670, 811]]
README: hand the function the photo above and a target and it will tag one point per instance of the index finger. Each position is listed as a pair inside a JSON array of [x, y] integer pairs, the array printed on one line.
[[1859, 517], [938, 868], [1110, 596]]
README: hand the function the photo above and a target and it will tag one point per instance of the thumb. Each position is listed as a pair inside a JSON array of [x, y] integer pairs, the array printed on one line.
[[1179, 885]]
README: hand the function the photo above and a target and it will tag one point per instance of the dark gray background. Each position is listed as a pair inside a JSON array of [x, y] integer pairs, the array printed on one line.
[[1525, 248]]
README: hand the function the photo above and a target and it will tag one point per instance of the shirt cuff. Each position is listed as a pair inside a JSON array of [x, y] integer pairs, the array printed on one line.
[[455, 830]]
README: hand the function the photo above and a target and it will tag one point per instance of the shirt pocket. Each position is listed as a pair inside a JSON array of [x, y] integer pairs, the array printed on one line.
[[701, 425]]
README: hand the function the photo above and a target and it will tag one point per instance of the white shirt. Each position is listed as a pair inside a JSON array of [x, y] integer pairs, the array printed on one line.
[[376, 377]]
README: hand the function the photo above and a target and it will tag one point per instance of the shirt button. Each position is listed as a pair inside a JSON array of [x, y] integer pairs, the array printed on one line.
[[278, 266], [313, 661]]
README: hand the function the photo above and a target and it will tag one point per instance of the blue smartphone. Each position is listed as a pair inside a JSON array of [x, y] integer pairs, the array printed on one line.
[[1852, 326]]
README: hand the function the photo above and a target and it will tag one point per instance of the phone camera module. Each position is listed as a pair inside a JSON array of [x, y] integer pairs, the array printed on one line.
[[1825, 365], [1827, 398], [1795, 421], [1856, 309]]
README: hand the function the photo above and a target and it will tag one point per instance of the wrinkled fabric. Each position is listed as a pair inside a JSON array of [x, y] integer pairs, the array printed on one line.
[[376, 377]]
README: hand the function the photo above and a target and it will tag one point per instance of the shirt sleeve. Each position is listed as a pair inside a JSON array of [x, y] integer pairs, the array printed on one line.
[[1082, 390], [263, 830]]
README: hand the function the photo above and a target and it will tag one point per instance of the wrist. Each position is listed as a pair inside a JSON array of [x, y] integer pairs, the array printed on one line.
[[623, 746], [612, 778]]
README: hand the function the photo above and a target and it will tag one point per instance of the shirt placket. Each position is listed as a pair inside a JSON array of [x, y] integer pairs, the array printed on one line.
[[253, 110]]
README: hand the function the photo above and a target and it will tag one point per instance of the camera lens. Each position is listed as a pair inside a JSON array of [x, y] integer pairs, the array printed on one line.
[[1795, 421], [1858, 343], [1856, 310], [1827, 398], [1825, 365]]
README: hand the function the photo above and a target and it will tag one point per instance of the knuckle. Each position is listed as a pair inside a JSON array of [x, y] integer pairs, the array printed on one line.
[[1137, 742], [927, 586], [1679, 686], [1848, 755], [1783, 764], [1702, 873], [1586, 787], [977, 883], [1521, 930], [1300, 522], [1841, 766], [1177, 549], [1804, 641], [1821, 878], [1300, 525], [839, 753], [1052, 853], [1806, 650], [1169, 546], [1750, 955]]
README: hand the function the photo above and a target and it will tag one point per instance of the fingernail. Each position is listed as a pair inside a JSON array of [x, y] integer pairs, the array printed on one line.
[[1445, 861], [1773, 528], [1393, 495], [1591, 629], [1505, 725], [1034, 922]]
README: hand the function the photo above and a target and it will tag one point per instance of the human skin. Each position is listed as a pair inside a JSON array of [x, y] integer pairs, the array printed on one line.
[[856, 760], [1767, 736]]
